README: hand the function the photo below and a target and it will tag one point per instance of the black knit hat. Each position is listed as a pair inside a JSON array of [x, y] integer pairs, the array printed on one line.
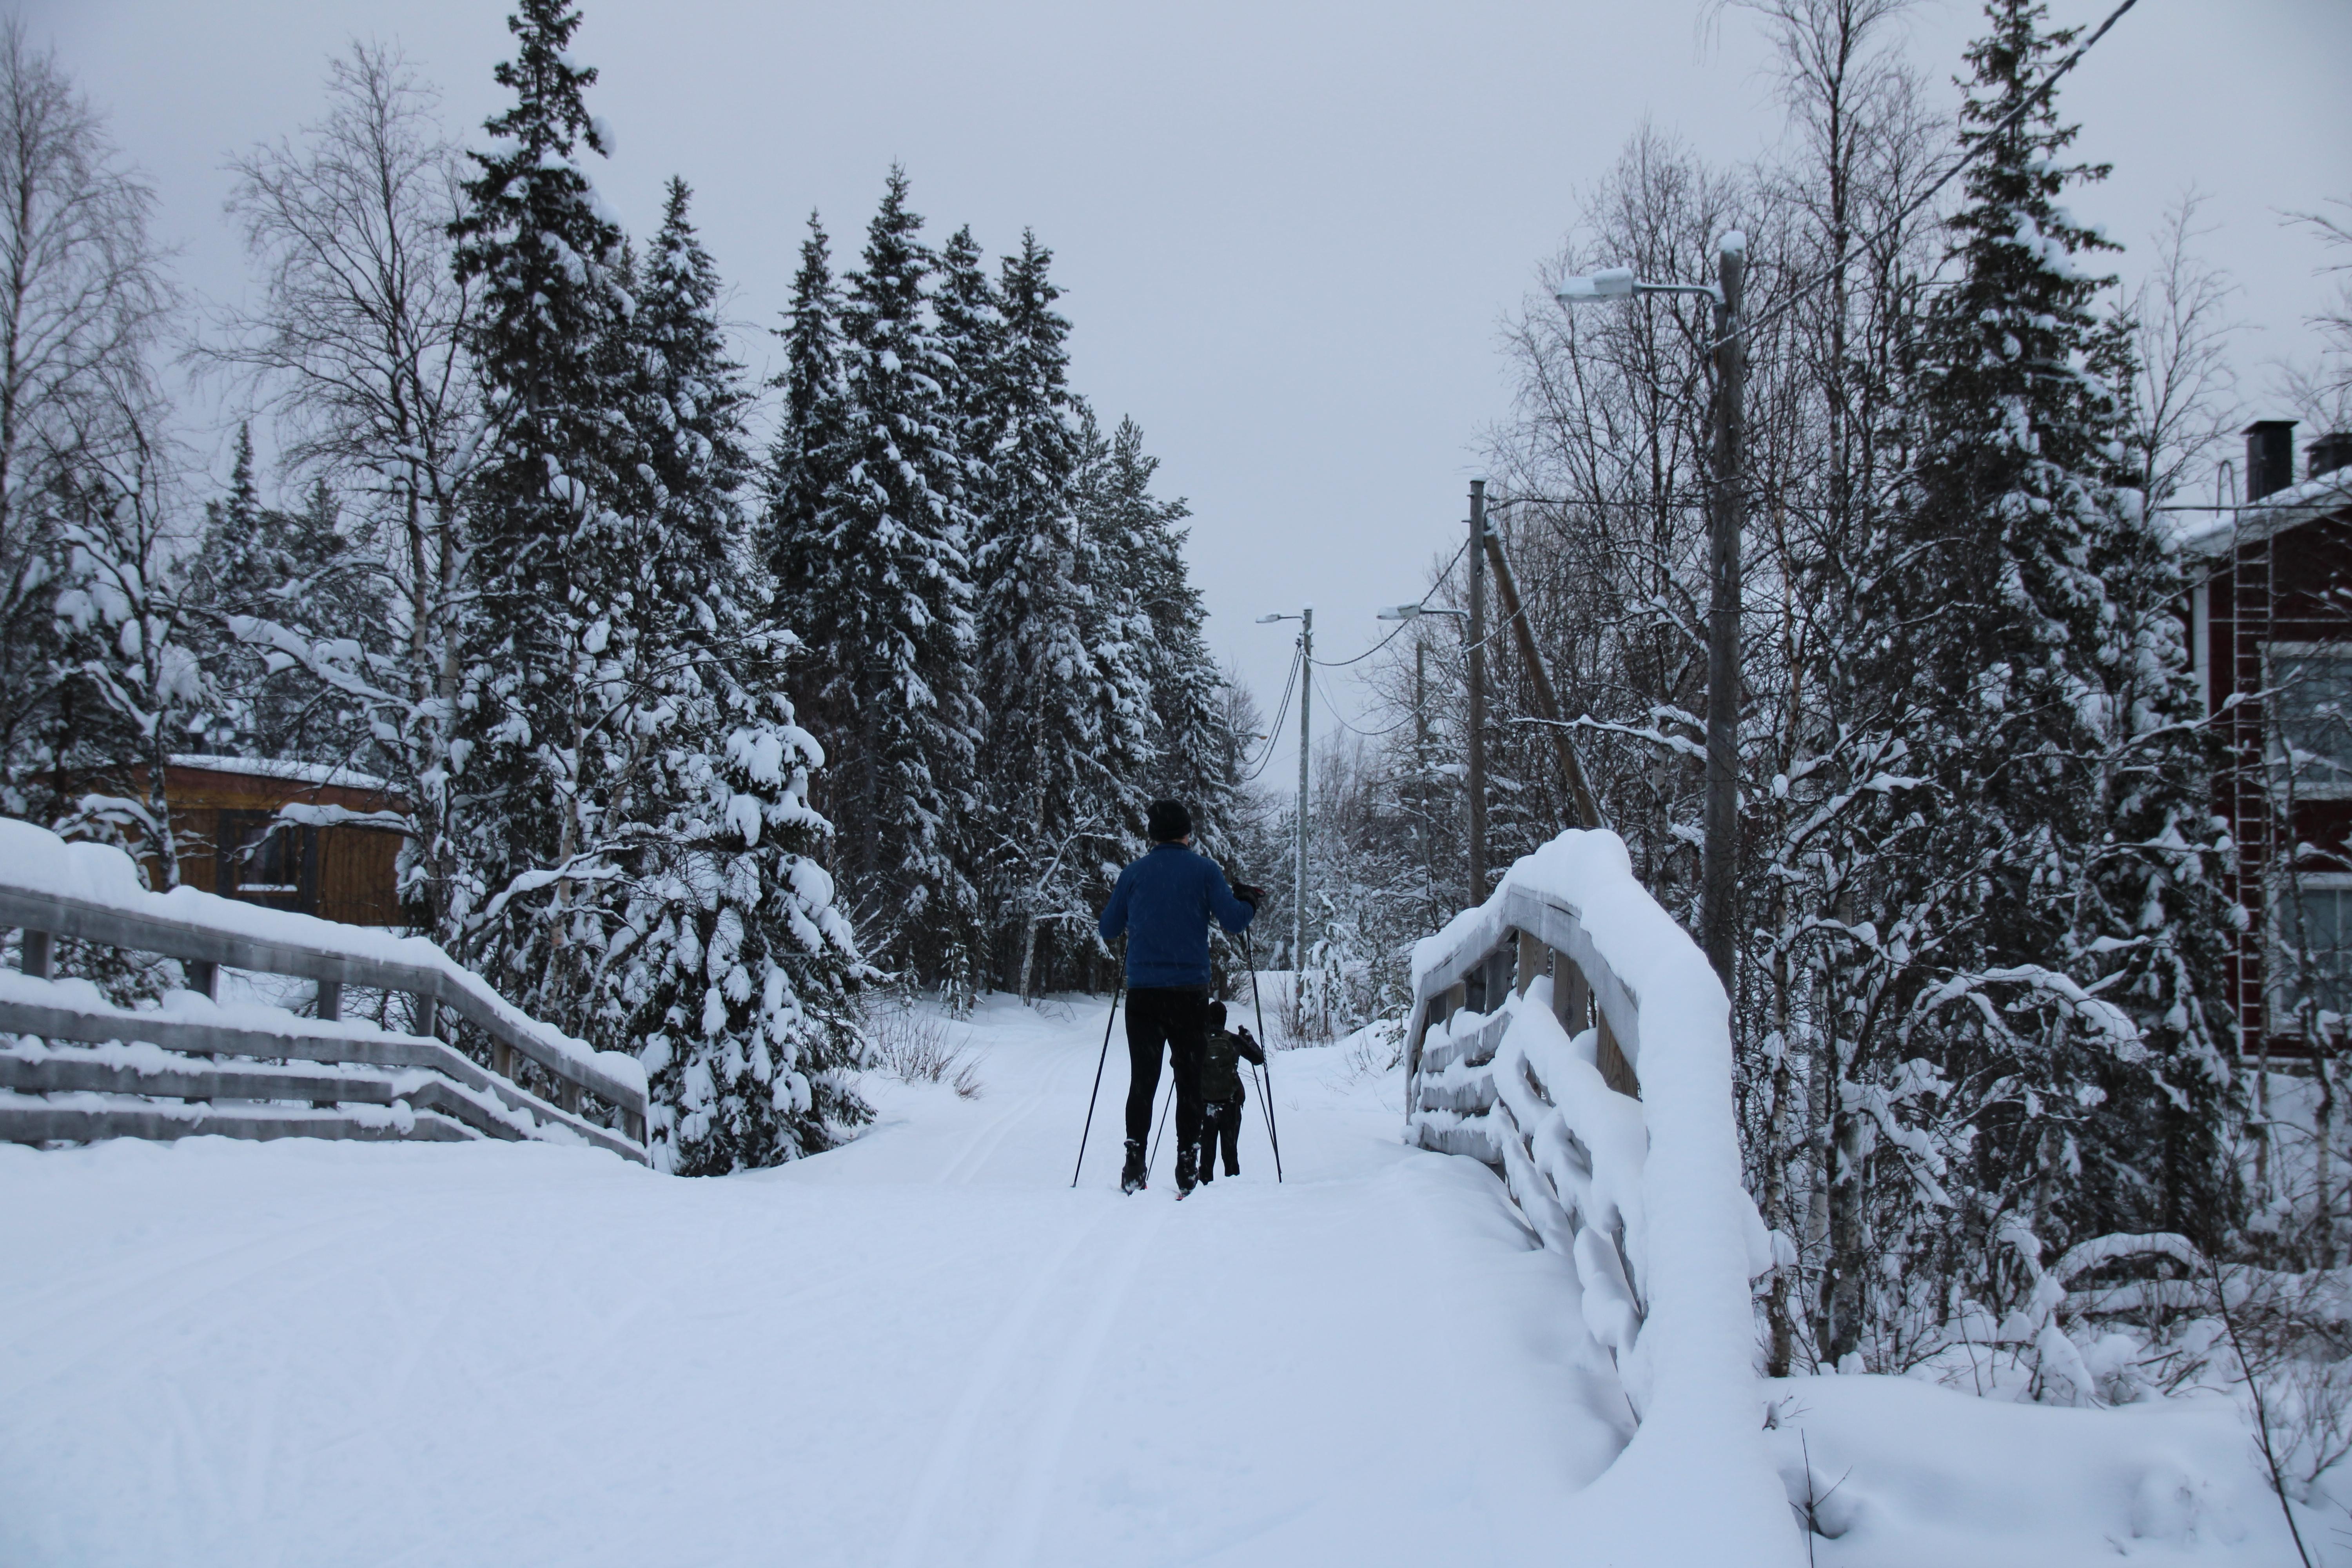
[[1167, 821], [1216, 1015]]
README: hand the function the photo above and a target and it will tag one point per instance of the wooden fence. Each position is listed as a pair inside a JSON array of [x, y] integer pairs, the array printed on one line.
[[1525, 1052], [87, 1070]]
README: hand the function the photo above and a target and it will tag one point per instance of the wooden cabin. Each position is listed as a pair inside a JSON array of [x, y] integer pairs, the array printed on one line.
[[222, 813], [2270, 621]]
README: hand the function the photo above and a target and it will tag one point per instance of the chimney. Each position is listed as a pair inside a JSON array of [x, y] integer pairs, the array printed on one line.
[[2329, 453], [2270, 458]]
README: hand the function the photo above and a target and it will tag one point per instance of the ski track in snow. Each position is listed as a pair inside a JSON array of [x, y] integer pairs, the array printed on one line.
[[921, 1349]]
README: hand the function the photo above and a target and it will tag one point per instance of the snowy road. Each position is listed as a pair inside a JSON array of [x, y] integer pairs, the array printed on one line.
[[922, 1349]]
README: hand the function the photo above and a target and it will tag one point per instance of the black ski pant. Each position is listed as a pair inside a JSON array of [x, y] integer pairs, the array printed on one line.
[[1176, 1018], [1222, 1120]]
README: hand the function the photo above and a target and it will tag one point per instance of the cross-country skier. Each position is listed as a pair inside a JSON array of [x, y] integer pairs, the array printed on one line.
[[1222, 1095], [1163, 903]]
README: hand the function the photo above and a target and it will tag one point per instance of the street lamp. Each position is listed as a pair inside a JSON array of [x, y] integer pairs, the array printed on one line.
[[1306, 619], [1720, 857]]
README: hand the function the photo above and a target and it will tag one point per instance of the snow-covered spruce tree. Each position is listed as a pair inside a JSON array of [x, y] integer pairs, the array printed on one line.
[[971, 334], [1150, 630], [262, 564], [732, 974], [2074, 1007], [1066, 731], [875, 573], [550, 650], [808, 435]]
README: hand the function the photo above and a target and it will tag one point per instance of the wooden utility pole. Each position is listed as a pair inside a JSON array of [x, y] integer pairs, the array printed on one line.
[[1477, 780], [1718, 890], [1421, 770], [1588, 812], [1306, 697]]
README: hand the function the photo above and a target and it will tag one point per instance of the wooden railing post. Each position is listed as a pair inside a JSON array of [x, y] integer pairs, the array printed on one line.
[[1609, 1057], [204, 977], [38, 955], [428, 1015], [1534, 958], [330, 1000], [1571, 996]]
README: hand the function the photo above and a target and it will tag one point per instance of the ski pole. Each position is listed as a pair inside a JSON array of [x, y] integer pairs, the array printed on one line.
[[1117, 992], [1153, 1158], [1266, 1045]]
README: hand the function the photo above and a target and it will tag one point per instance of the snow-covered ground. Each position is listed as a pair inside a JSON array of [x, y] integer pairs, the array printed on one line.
[[926, 1349], [921, 1349]]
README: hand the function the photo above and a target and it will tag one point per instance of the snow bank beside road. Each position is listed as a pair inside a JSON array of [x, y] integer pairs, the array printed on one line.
[[1908, 1475]]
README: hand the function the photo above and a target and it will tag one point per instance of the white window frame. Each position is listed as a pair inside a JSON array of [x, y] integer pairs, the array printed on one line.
[[2273, 654], [2278, 1005]]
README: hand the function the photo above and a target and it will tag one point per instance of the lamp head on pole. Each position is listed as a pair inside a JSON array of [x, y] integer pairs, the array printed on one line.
[[1608, 283]]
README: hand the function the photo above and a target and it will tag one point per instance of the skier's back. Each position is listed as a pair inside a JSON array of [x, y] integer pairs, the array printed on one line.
[[1163, 903]]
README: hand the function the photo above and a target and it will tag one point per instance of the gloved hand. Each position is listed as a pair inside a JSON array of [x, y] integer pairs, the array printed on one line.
[[1249, 893]]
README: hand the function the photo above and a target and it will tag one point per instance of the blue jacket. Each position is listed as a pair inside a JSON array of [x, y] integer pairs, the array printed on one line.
[[1163, 903]]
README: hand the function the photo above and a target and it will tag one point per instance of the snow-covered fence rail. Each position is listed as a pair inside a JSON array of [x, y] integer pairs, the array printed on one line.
[[200, 1064], [1571, 1036]]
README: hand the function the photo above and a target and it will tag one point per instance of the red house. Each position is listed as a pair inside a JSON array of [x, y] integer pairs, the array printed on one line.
[[2271, 638]]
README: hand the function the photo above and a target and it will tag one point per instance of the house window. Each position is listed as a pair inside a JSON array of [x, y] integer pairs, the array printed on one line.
[[278, 868], [2314, 704], [2314, 930]]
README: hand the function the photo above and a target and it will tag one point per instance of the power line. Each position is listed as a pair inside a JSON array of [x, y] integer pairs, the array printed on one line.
[[1273, 731], [1434, 587], [1366, 734]]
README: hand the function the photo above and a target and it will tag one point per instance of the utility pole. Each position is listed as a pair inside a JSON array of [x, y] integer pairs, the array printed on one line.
[[1306, 697], [1421, 767], [1571, 769], [1718, 872], [1719, 876], [1306, 619], [1477, 780]]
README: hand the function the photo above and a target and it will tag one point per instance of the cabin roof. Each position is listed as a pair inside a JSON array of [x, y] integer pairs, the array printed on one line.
[[324, 773], [2329, 495]]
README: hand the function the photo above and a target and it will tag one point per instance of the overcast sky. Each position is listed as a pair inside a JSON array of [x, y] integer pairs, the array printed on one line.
[[1286, 232]]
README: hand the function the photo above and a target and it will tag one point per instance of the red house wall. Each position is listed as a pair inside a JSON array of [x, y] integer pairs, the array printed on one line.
[[2293, 587]]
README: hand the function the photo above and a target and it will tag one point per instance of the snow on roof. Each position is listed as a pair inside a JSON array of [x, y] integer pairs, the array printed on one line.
[[2281, 510], [277, 768]]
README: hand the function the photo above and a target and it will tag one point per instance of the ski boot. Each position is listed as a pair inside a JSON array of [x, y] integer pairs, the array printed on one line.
[[1133, 1179], [1188, 1161]]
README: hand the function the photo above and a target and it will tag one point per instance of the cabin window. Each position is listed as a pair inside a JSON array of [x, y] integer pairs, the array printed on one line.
[[279, 869]]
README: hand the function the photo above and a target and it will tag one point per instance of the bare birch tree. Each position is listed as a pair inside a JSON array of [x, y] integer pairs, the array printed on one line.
[[82, 297], [357, 349]]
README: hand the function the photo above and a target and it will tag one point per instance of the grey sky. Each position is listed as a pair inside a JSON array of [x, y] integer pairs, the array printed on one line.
[[1286, 231]]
